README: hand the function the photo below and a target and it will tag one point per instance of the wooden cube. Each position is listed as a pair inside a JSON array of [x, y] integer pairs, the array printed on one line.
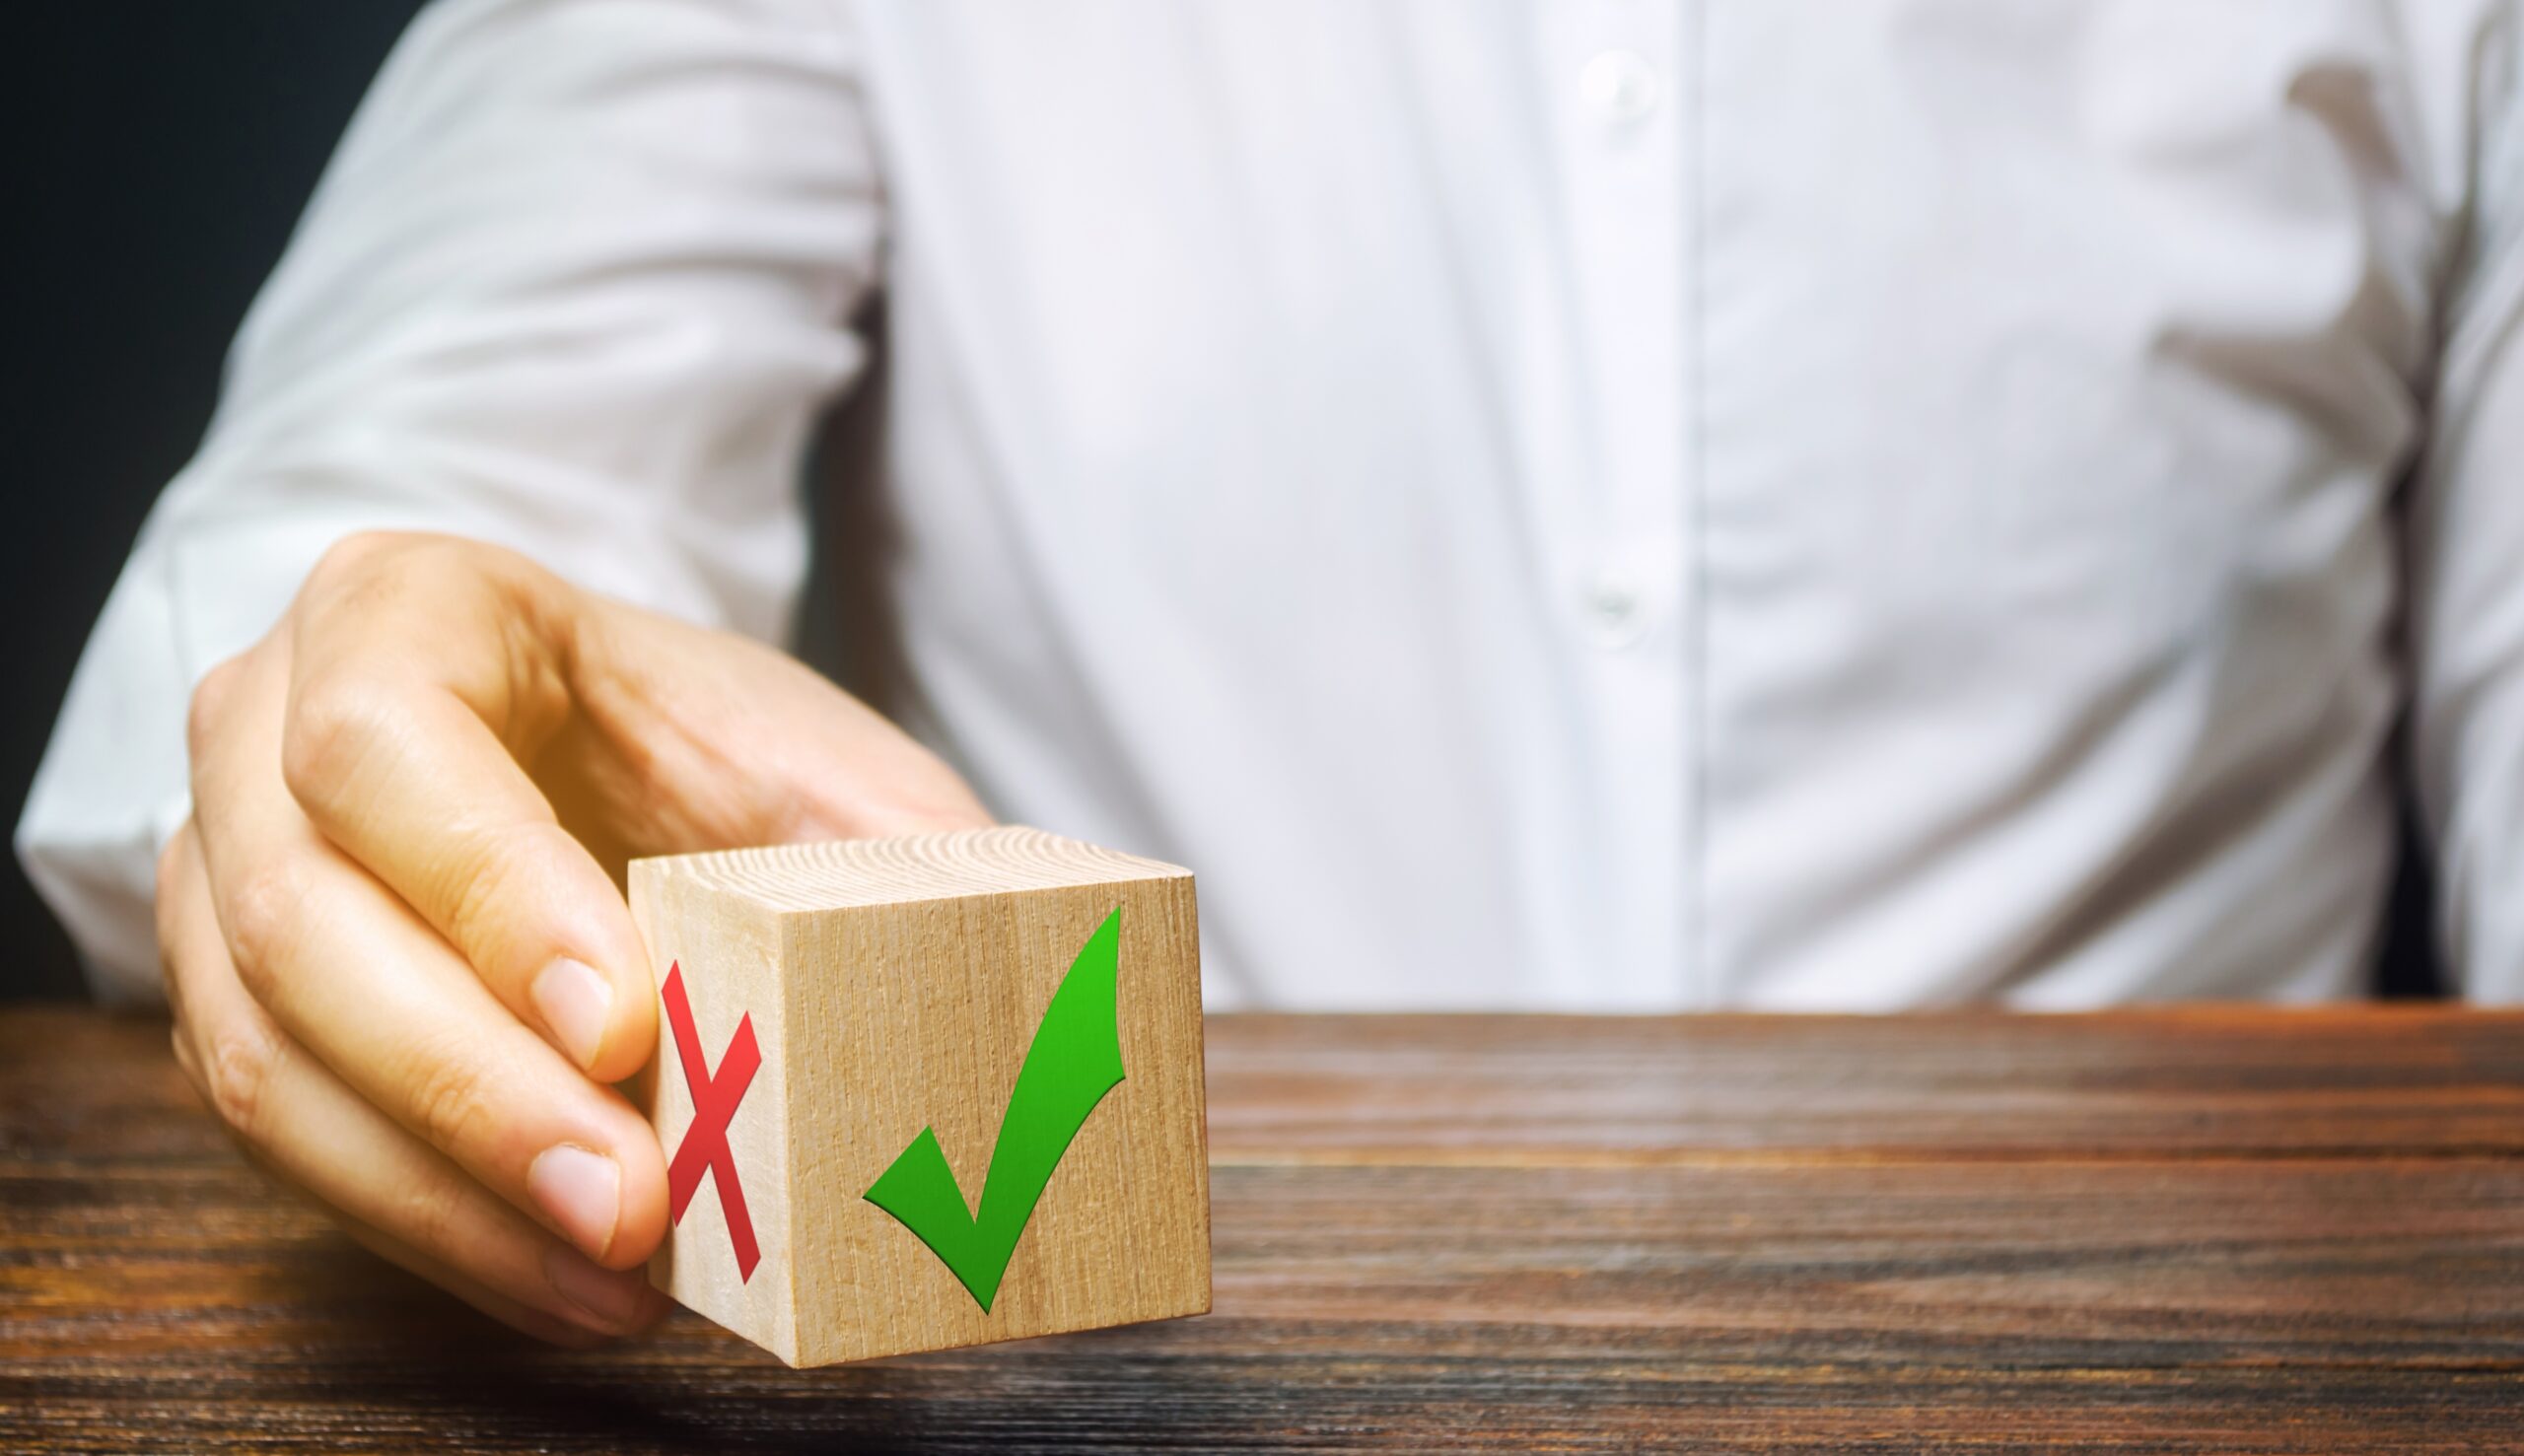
[[885, 1034]]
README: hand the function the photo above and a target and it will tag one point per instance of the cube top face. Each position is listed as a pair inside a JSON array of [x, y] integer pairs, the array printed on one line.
[[895, 991], [851, 873]]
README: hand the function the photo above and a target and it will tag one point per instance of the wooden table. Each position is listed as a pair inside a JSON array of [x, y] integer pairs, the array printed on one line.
[[2202, 1229]]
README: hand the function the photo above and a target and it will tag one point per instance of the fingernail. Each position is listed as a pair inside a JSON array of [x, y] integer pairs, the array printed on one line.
[[581, 1191], [614, 1298], [575, 1003]]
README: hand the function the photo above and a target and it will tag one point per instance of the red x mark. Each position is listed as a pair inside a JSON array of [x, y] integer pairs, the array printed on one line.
[[713, 1103]]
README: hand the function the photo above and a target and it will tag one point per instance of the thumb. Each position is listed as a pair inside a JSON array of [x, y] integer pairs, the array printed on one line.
[[422, 670]]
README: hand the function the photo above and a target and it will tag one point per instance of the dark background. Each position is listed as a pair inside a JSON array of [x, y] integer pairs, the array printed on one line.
[[159, 155], [163, 152]]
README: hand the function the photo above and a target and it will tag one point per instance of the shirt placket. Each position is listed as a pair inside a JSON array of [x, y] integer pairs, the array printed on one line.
[[1623, 114]]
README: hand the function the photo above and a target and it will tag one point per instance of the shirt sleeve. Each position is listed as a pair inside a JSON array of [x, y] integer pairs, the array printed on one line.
[[2465, 540], [574, 282]]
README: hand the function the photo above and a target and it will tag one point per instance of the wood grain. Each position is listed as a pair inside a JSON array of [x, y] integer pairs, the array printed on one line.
[[2148, 1231], [2194, 1082], [896, 986]]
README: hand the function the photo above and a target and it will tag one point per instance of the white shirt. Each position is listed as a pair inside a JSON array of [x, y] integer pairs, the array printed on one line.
[[1596, 506]]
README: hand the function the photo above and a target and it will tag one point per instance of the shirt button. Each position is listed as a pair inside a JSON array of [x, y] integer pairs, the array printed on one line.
[[1614, 606], [1619, 88]]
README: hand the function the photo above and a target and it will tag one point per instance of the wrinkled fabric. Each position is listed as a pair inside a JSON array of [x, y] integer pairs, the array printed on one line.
[[1608, 506]]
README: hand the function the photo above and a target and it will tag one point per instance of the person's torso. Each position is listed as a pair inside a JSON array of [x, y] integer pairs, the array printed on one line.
[[1623, 505]]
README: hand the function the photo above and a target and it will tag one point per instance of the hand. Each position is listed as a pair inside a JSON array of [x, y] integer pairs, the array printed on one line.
[[401, 972]]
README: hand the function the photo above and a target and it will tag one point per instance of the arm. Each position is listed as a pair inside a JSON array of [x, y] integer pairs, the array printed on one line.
[[573, 285], [570, 286]]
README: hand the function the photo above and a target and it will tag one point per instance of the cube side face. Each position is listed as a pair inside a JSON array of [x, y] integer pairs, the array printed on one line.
[[728, 952], [918, 1016]]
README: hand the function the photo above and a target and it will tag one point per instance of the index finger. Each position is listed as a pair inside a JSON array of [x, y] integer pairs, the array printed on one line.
[[423, 671]]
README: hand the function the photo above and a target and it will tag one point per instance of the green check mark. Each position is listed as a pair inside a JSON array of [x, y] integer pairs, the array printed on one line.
[[1076, 1059]]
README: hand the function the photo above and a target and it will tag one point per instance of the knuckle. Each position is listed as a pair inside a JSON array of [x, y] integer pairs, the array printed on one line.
[[207, 712], [357, 575], [352, 557], [237, 1073], [332, 719], [429, 1215], [475, 888], [369, 564], [263, 915], [450, 1103]]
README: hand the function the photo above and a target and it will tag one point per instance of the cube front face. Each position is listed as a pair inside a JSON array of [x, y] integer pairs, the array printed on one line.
[[881, 1022], [914, 1017]]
